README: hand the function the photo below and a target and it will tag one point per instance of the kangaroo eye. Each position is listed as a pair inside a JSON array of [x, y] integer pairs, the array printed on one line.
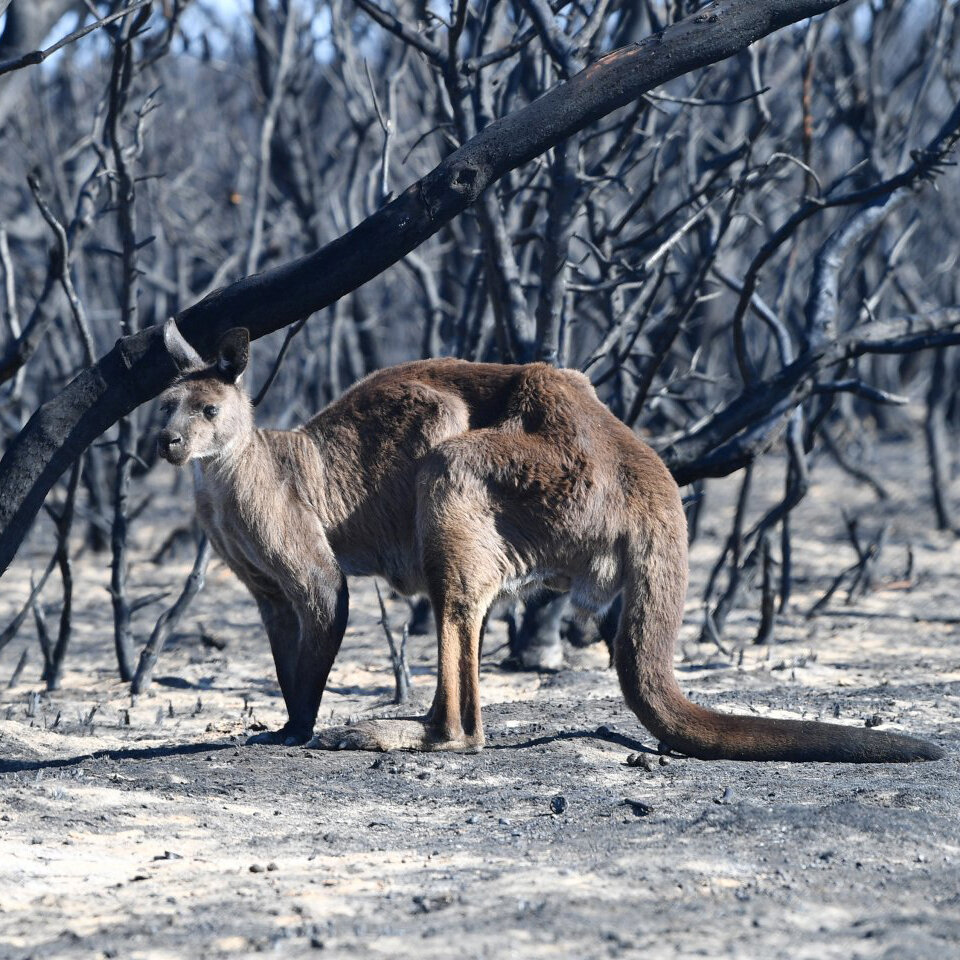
[[210, 411]]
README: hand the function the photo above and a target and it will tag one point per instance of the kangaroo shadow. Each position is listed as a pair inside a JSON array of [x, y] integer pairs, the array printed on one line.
[[189, 749], [134, 753], [610, 736]]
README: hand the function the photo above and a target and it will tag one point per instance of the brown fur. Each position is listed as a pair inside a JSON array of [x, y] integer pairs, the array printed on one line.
[[462, 481]]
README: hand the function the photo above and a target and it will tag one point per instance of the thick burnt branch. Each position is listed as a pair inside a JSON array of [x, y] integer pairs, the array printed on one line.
[[748, 424]]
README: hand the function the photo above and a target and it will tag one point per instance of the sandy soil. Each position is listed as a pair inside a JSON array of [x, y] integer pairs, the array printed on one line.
[[145, 828]]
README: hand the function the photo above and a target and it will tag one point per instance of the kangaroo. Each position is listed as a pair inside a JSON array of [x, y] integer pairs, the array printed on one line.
[[462, 481]]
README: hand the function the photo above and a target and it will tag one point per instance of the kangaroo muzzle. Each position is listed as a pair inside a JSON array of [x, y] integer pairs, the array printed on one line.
[[172, 447]]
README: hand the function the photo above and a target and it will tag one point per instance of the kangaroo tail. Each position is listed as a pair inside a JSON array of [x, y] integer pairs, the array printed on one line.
[[654, 592]]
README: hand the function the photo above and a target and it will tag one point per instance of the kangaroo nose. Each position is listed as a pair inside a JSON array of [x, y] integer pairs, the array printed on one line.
[[169, 439]]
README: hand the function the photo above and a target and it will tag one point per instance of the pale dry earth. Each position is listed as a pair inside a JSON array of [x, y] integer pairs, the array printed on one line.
[[148, 830]]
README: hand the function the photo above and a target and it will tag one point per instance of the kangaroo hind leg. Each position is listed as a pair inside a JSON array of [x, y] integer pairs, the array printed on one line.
[[463, 574], [454, 721]]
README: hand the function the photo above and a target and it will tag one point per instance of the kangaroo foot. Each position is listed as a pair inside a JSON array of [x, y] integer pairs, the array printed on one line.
[[286, 736], [393, 735]]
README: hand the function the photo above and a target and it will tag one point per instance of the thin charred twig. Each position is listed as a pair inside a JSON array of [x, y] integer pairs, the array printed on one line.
[[63, 520], [43, 632], [734, 543], [561, 212], [403, 31], [864, 572], [148, 600], [431, 341], [63, 263], [121, 75], [706, 102], [861, 389], [860, 571], [936, 433], [768, 595], [907, 575], [387, 122], [786, 564], [831, 590], [122, 612], [520, 41], [176, 537], [861, 475], [18, 669], [124, 154], [11, 317], [267, 128], [514, 327], [168, 620], [555, 41], [25, 344], [806, 98], [278, 362], [712, 635], [743, 576], [664, 335], [852, 524], [694, 505], [38, 56], [26, 341], [13, 628], [786, 355], [16, 356], [398, 652]]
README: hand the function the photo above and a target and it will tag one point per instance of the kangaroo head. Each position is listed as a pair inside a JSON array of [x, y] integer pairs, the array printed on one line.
[[206, 413]]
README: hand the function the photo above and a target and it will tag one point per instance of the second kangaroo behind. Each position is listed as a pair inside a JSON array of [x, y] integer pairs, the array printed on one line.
[[462, 481]]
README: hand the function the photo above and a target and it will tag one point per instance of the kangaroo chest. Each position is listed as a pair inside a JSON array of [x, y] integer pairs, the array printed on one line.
[[252, 530]]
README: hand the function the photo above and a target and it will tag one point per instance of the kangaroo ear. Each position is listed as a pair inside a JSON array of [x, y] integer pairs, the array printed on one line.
[[184, 356], [233, 354]]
